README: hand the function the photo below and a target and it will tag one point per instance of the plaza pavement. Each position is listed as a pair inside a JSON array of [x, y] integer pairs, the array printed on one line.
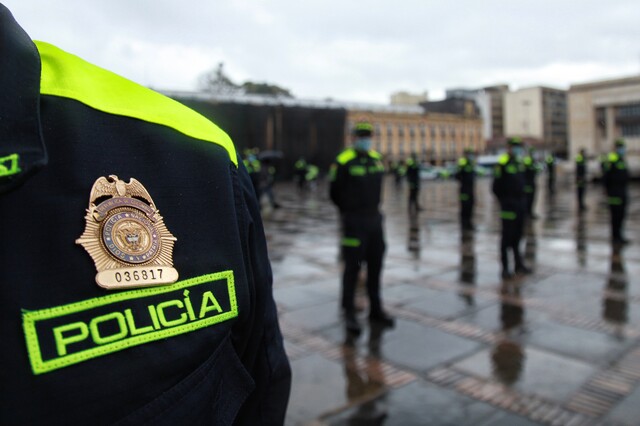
[[558, 347]]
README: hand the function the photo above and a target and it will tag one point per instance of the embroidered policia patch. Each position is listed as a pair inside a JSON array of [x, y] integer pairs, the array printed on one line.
[[126, 236], [66, 335]]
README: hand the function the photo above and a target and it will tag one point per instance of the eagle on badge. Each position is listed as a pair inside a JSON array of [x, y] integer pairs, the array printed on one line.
[[126, 237]]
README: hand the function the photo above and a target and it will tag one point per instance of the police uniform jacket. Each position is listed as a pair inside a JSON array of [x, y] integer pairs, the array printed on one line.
[[616, 178], [413, 173], [508, 182], [530, 172], [356, 181], [204, 350], [466, 175]]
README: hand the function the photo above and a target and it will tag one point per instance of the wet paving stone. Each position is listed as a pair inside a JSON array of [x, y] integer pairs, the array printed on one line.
[[420, 348], [319, 386], [467, 347], [628, 411], [529, 370], [590, 346], [416, 404]]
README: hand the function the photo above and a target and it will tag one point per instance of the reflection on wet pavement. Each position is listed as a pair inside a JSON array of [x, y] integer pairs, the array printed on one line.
[[558, 347]]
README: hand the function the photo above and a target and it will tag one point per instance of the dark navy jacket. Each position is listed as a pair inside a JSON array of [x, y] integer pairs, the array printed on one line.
[[204, 350]]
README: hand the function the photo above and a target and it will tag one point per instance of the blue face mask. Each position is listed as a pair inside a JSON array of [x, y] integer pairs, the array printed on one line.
[[620, 150], [362, 144], [518, 151]]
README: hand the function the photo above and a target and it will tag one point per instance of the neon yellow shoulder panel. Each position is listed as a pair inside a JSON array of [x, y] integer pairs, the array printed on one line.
[[345, 156], [68, 76], [503, 159]]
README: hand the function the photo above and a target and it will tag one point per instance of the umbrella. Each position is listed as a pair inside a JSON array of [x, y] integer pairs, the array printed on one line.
[[270, 155]]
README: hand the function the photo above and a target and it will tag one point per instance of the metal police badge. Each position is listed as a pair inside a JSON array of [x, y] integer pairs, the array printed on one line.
[[126, 236]]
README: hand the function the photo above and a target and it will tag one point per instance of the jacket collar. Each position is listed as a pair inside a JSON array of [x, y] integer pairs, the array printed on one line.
[[22, 149]]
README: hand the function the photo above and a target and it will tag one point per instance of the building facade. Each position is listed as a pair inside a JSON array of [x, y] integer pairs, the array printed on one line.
[[496, 95], [540, 114], [437, 138], [406, 98], [601, 112]]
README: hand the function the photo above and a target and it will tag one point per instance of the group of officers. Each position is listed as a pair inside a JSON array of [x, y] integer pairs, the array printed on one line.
[[356, 184]]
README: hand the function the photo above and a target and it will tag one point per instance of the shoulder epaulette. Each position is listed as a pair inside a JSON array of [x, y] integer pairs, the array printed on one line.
[[462, 161], [375, 154], [346, 156], [613, 157], [66, 75], [503, 159]]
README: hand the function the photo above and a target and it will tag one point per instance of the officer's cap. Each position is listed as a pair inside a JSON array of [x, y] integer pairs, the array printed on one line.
[[515, 141], [363, 128], [469, 150], [619, 142]]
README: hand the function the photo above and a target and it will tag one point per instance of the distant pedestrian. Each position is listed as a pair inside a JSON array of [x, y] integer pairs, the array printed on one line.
[[616, 180], [300, 171], [530, 173], [508, 186], [356, 189], [581, 178], [413, 179], [550, 160], [466, 175]]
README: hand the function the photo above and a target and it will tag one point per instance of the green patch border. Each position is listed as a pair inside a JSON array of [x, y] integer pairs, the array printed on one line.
[[29, 319]]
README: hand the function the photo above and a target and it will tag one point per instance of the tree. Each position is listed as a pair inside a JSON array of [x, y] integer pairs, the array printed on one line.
[[217, 82]]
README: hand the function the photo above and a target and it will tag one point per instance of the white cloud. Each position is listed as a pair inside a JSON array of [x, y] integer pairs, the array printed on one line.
[[347, 49]]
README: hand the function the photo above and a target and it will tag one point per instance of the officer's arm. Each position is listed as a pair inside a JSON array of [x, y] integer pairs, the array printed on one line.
[[262, 352], [336, 185], [498, 185]]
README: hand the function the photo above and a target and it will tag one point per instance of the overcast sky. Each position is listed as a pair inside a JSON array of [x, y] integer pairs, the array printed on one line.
[[346, 50]]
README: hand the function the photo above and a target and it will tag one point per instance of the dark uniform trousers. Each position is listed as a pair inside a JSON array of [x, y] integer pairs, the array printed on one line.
[[467, 200], [363, 242], [618, 212], [74, 353], [466, 175], [512, 229]]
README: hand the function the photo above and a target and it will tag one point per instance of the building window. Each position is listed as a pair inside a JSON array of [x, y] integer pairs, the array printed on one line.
[[630, 130], [401, 131], [401, 148], [628, 111], [433, 132], [389, 131]]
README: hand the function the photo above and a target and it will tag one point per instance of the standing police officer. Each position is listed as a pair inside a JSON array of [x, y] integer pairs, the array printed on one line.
[[616, 179], [139, 299], [581, 178], [466, 175], [508, 186], [356, 189]]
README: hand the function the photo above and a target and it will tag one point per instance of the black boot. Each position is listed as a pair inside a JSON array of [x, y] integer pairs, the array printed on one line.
[[351, 323], [382, 318]]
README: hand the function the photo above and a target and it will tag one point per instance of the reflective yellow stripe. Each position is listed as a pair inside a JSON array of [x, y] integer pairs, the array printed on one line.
[[346, 156], [357, 170], [351, 242], [68, 76], [508, 215], [615, 201]]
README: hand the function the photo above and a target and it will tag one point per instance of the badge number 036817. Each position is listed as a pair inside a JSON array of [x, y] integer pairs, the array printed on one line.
[[126, 236]]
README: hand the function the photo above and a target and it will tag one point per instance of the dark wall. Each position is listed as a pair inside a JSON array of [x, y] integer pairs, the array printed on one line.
[[313, 133]]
